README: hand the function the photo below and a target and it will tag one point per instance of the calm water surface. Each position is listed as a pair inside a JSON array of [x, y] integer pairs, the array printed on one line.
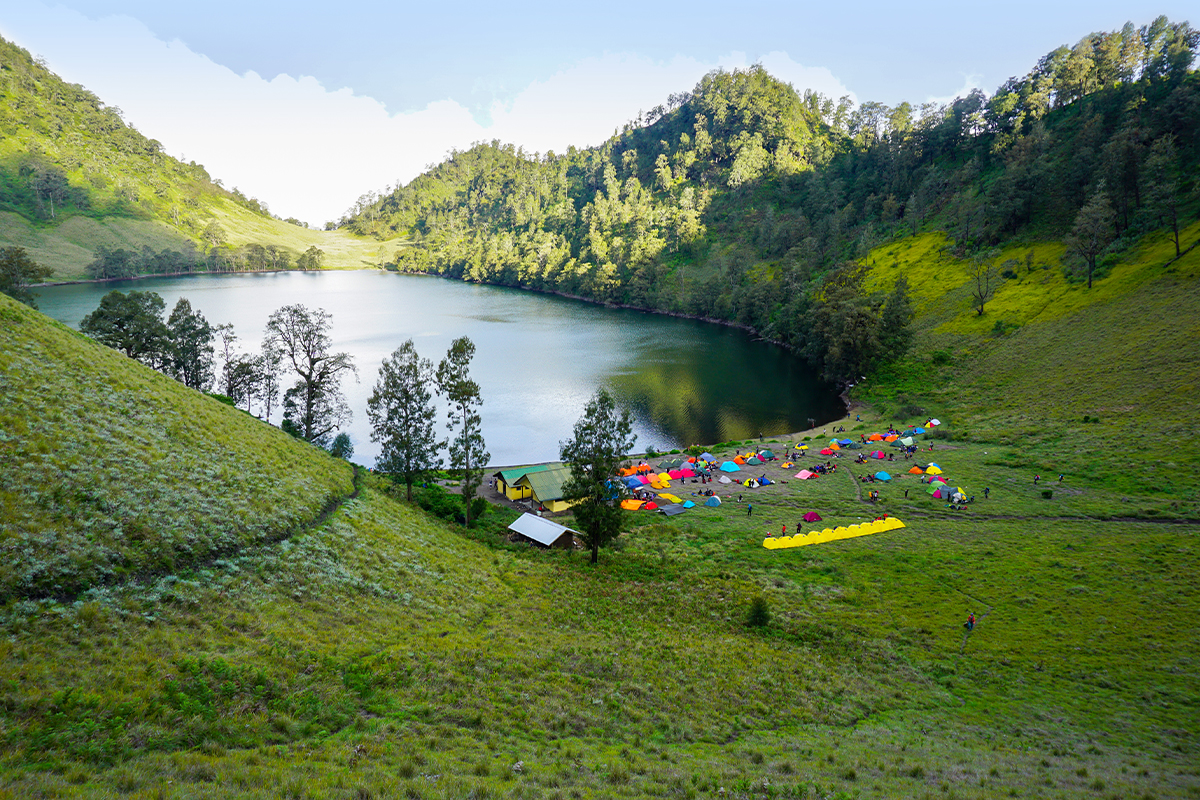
[[539, 358]]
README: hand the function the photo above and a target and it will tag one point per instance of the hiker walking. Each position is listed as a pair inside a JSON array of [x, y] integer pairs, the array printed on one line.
[[986, 491], [970, 623], [749, 509], [1036, 478], [1060, 477], [784, 531]]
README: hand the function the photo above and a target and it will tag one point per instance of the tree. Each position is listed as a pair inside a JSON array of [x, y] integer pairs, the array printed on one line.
[[17, 272], [341, 446], [131, 323], [983, 273], [268, 366], [214, 235], [314, 407], [1092, 232], [1163, 197], [402, 416], [601, 439], [467, 451], [310, 258], [191, 357]]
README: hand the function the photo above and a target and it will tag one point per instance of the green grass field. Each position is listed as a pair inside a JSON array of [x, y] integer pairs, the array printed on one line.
[[384, 653]]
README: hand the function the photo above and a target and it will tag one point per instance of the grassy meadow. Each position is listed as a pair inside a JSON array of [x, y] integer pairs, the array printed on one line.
[[181, 621]]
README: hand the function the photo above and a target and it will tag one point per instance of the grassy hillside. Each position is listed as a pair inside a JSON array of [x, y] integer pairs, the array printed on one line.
[[109, 470], [75, 176], [384, 653]]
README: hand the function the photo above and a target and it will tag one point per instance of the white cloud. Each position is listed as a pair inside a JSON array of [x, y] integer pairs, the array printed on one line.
[[309, 152], [971, 81]]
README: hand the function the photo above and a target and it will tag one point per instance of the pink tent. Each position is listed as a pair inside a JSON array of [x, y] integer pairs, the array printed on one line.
[[675, 474], [644, 479], [812, 516], [878, 454], [687, 473], [805, 474], [938, 494]]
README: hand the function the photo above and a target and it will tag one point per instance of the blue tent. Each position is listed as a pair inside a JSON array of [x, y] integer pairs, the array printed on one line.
[[765, 481], [918, 430], [882, 476], [688, 504], [708, 457], [845, 441], [632, 482], [713, 501], [729, 466]]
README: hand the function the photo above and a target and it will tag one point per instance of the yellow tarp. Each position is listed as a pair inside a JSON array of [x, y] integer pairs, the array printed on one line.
[[631, 505], [832, 534], [670, 497]]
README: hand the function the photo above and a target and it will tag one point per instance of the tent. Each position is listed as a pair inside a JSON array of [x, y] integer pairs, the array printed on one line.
[[725, 479], [708, 457], [812, 516], [874, 437], [826, 452], [935, 422], [739, 460], [891, 437], [786, 465], [631, 505], [765, 481], [688, 504], [802, 447], [882, 476], [907, 441], [855, 446], [670, 463], [878, 454], [632, 482], [844, 442], [834, 446], [651, 506], [765, 454], [713, 501], [670, 497], [933, 487], [730, 466], [918, 430], [676, 474], [933, 469], [805, 474], [753, 461], [751, 483], [939, 494], [933, 464], [916, 471]]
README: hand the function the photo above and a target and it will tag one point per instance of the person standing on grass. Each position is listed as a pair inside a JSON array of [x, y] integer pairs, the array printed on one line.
[[784, 531], [1036, 478], [970, 625], [1060, 477], [986, 491], [749, 509]]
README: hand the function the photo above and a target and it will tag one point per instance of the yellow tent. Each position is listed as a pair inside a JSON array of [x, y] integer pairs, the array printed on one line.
[[933, 471], [631, 505]]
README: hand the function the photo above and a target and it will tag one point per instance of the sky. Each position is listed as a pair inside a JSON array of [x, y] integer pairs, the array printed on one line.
[[307, 106]]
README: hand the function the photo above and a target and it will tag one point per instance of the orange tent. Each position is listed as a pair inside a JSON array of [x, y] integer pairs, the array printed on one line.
[[874, 437], [916, 471], [834, 446], [739, 460], [893, 437]]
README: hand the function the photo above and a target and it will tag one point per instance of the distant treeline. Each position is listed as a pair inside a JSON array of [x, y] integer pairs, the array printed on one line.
[[745, 201], [115, 263]]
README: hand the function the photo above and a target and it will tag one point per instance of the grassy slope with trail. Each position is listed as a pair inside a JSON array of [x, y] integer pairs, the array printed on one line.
[[386, 653]]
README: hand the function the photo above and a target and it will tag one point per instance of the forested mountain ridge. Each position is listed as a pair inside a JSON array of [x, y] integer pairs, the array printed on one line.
[[743, 200], [75, 176]]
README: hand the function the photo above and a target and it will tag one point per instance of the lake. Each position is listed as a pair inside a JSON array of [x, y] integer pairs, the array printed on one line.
[[539, 358]]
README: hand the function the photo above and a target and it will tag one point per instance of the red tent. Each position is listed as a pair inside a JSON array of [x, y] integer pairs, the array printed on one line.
[[826, 452]]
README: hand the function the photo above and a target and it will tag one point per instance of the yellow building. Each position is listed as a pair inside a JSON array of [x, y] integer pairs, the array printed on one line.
[[506, 481], [545, 486]]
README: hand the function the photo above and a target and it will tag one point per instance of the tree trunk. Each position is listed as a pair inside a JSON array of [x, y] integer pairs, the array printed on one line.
[[595, 553]]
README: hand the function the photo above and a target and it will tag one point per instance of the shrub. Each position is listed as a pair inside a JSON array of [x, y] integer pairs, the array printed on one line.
[[1047, 494], [759, 614], [941, 357]]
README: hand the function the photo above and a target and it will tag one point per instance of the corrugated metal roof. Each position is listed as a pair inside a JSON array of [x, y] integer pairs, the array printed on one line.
[[511, 476], [540, 529], [547, 484]]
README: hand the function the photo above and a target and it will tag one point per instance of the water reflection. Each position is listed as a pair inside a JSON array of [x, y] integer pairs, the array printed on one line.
[[539, 357]]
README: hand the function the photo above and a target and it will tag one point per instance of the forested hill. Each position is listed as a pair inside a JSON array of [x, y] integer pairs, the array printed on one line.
[[78, 183], [744, 201]]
